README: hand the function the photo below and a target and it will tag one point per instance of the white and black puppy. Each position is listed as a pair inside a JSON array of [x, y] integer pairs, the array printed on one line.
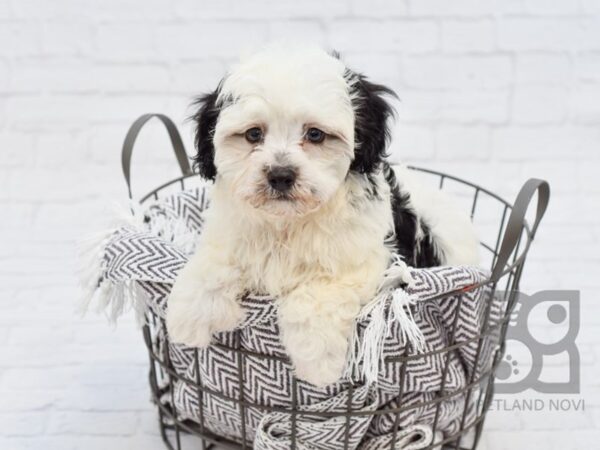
[[303, 206]]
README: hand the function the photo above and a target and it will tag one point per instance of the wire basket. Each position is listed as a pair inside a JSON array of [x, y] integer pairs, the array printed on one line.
[[506, 238]]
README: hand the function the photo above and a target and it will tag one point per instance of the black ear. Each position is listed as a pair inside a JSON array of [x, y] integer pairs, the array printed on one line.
[[206, 120], [371, 129]]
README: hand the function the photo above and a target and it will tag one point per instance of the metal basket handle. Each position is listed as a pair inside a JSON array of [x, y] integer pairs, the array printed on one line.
[[132, 134], [516, 221]]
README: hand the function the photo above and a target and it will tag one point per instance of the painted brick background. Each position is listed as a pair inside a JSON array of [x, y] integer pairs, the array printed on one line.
[[494, 91]]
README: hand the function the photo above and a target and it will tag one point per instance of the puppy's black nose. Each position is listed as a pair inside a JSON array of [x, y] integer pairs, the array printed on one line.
[[281, 178]]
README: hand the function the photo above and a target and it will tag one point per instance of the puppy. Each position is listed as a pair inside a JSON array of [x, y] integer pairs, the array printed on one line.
[[304, 206]]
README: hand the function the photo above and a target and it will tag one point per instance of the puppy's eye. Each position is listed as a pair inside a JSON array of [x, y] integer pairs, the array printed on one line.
[[314, 135], [254, 135]]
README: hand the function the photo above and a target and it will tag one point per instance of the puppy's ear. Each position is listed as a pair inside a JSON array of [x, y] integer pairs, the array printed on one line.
[[206, 120], [371, 128]]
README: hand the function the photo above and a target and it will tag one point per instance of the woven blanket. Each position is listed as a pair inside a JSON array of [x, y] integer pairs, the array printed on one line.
[[137, 263]]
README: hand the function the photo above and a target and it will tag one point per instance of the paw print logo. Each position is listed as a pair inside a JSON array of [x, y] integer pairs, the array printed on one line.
[[507, 368], [528, 351]]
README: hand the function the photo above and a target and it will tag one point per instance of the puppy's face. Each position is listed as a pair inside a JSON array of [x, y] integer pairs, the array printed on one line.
[[280, 130]]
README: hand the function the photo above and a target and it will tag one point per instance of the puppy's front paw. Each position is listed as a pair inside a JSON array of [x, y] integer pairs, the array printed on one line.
[[184, 327], [317, 353], [194, 312]]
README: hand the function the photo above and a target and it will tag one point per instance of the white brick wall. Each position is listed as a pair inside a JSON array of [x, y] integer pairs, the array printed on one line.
[[495, 91]]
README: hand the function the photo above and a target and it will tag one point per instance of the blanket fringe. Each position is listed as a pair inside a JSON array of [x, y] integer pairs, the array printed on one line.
[[112, 297], [391, 304], [91, 269]]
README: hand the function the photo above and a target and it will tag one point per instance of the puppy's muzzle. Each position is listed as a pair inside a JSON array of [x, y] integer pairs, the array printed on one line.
[[281, 179]]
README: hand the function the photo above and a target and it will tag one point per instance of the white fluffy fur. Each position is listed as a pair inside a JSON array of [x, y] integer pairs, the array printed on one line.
[[321, 253]]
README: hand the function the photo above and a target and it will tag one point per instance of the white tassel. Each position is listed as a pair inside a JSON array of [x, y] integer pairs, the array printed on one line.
[[174, 231], [91, 268], [391, 304], [115, 298], [401, 312], [91, 258]]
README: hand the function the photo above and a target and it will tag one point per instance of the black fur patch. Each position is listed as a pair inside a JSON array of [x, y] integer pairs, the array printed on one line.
[[426, 256], [371, 129], [206, 121], [416, 253]]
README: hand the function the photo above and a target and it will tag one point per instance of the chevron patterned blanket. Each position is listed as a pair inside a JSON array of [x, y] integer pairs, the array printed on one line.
[[418, 396]]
